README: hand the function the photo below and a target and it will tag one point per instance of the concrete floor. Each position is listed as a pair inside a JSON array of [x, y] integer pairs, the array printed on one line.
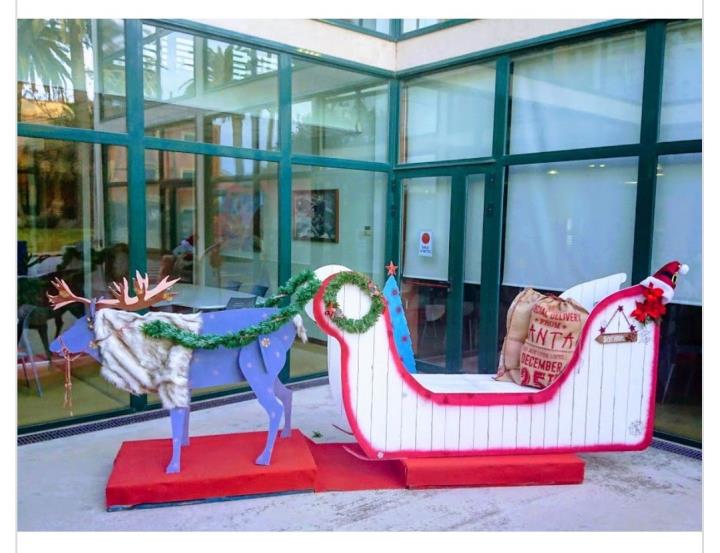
[[61, 486]]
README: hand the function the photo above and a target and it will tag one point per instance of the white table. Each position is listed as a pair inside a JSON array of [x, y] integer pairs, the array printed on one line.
[[202, 297]]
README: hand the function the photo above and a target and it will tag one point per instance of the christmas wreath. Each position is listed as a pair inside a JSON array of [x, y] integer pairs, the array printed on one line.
[[332, 309]]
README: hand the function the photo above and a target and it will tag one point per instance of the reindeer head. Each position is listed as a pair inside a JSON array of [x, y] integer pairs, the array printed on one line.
[[80, 337]]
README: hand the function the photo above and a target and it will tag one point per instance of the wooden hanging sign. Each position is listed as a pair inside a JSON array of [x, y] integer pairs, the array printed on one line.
[[616, 337]]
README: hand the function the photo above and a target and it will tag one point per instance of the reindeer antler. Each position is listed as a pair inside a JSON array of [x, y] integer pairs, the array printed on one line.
[[65, 296], [146, 296]]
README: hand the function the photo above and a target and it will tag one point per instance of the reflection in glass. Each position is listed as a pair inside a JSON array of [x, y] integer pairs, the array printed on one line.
[[171, 214], [338, 218], [474, 215], [212, 221], [379, 25], [577, 96], [424, 283], [338, 113], [415, 24], [63, 219], [448, 115], [71, 72], [678, 235], [681, 110], [214, 91]]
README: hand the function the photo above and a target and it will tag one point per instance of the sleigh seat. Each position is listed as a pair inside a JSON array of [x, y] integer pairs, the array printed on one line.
[[469, 383]]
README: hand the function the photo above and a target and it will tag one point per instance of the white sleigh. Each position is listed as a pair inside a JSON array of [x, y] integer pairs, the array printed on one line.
[[603, 401]]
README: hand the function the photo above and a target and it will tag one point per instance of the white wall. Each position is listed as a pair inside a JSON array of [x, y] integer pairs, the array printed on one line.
[[478, 35], [316, 36], [335, 41]]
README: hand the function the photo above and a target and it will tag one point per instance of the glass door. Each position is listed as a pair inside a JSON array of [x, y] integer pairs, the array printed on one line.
[[441, 229], [425, 284], [472, 308]]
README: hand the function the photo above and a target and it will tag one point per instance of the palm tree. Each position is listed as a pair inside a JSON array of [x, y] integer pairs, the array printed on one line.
[[43, 57], [51, 63]]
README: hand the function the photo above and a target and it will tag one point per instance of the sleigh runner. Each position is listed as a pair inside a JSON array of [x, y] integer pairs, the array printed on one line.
[[603, 401]]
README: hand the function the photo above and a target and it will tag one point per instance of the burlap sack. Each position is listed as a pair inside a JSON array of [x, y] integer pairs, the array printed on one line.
[[553, 334], [518, 320]]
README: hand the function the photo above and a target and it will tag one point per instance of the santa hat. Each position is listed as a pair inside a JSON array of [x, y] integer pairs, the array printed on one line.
[[666, 277]]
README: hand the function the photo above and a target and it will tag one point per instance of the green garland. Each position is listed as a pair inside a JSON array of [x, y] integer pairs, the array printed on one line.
[[304, 286], [356, 326]]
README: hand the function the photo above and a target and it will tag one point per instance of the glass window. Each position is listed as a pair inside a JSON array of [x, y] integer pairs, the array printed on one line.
[[379, 25], [338, 113], [338, 217], [415, 24], [678, 221], [560, 216], [678, 235], [681, 111], [71, 72], [471, 313], [63, 222], [228, 98], [212, 222], [578, 96], [448, 115]]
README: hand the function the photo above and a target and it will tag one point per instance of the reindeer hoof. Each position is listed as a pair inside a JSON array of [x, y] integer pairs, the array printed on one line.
[[264, 459], [185, 442], [172, 468], [286, 433]]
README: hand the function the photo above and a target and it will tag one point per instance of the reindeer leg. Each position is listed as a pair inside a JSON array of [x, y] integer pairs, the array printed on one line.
[[273, 407], [186, 427], [178, 415], [285, 395]]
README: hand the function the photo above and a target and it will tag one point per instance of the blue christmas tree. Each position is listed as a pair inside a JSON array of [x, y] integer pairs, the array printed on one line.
[[401, 332]]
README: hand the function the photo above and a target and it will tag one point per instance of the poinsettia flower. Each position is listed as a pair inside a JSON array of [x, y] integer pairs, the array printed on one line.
[[639, 312], [655, 310], [653, 293]]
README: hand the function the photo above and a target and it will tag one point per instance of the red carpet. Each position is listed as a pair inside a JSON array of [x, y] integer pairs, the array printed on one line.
[[338, 470], [213, 467], [222, 467], [509, 470]]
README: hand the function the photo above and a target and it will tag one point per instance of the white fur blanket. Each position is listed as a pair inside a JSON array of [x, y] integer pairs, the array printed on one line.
[[138, 364]]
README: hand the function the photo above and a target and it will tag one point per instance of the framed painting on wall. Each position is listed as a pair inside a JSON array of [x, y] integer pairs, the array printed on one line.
[[315, 215]]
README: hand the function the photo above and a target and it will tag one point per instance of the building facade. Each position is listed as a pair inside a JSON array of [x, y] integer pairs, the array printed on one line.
[[482, 156]]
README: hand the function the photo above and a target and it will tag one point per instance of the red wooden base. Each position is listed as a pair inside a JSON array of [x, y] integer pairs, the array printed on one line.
[[213, 468], [507, 470], [216, 468]]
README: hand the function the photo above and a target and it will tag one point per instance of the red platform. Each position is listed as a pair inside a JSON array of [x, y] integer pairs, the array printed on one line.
[[507, 470], [215, 468]]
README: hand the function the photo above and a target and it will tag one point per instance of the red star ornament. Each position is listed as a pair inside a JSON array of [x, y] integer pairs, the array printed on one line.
[[391, 269]]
